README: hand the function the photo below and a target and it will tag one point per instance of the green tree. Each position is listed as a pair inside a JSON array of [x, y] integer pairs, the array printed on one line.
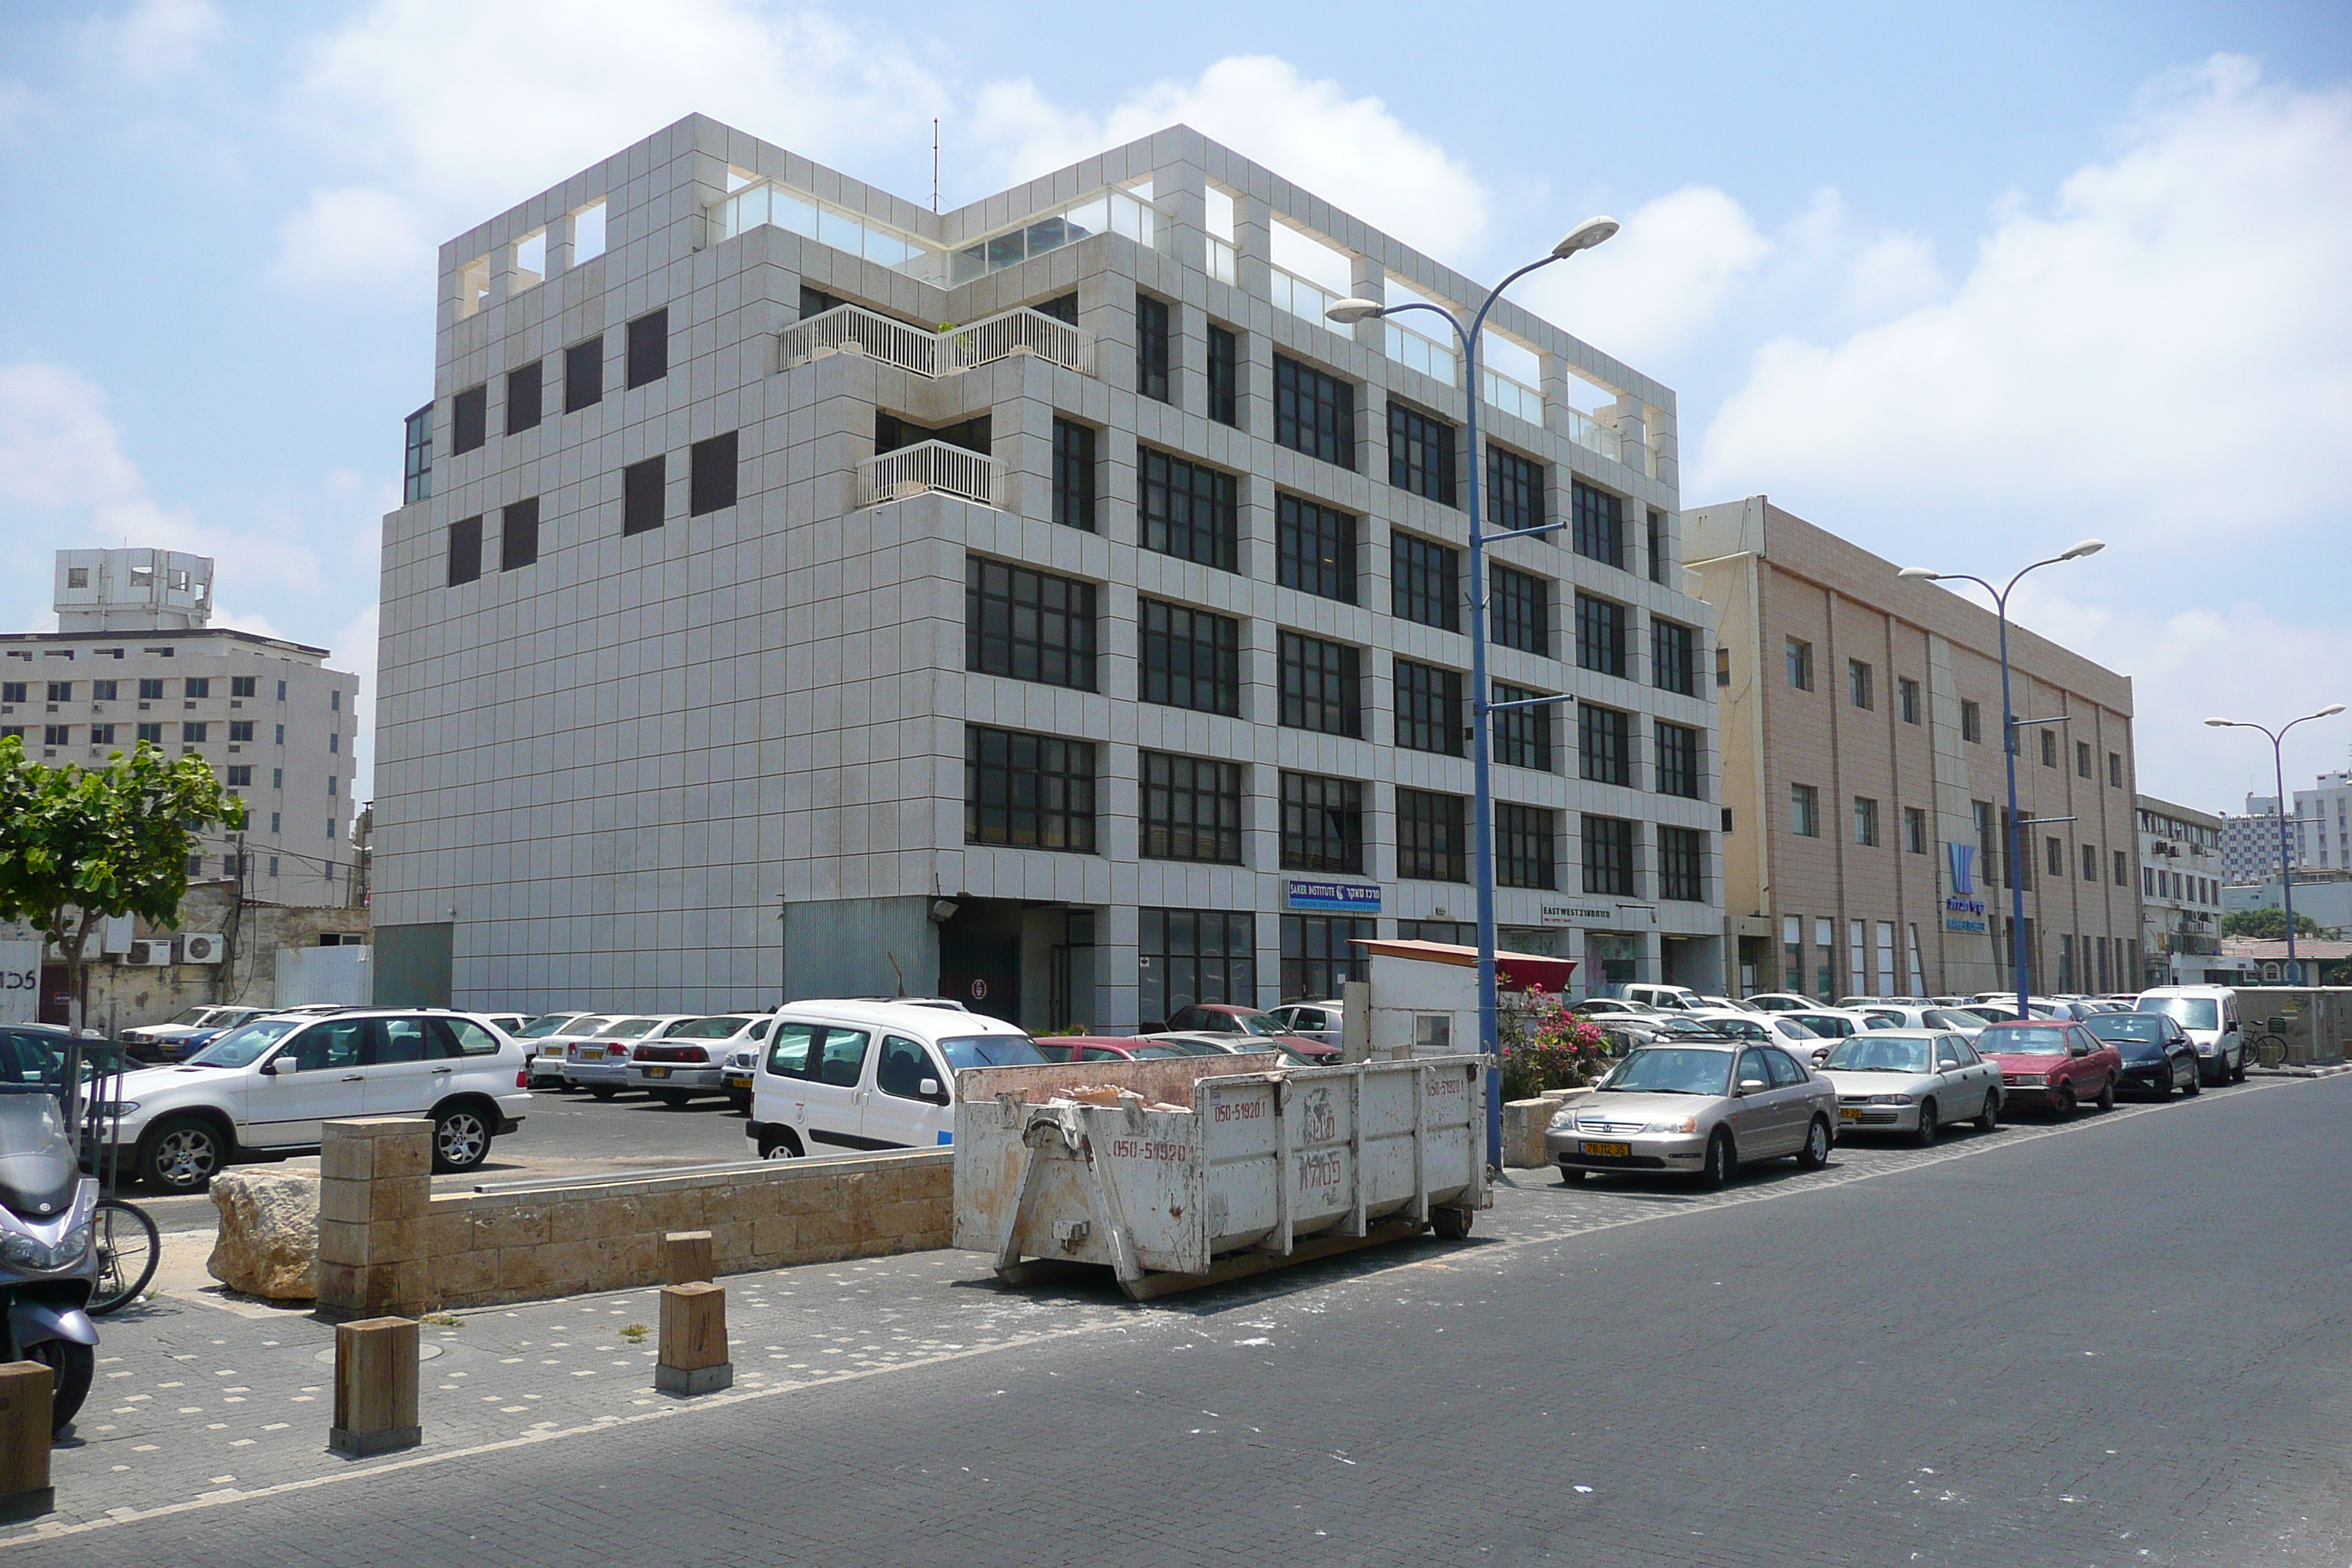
[[2267, 925], [80, 846]]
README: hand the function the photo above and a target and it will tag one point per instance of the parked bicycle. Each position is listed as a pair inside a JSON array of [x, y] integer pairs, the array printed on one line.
[[128, 1248]]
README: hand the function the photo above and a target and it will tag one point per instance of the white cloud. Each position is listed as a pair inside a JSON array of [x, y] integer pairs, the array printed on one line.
[[355, 235], [1662, 281], [1351, 152], [57, 445], [1893, 272], [157, 39]]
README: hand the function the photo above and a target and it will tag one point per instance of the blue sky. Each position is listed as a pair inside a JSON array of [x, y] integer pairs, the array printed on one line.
[[1964, 284]]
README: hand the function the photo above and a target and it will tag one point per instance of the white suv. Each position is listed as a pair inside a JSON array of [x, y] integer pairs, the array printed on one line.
[[267, 1086], [870, 1075]]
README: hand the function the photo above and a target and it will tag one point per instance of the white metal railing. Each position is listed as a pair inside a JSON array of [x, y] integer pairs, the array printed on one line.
[[853, 328], [765, 202], [1510, 395], [928, 466], [1308, 302], [1107, 211], [1591, 433], [1425, 354], [1222, 261]]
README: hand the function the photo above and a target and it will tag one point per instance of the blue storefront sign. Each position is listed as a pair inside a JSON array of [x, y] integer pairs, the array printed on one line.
[[1339, 898], [1965, 915]]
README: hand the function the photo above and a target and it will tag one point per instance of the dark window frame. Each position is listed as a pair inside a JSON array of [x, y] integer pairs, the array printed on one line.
[[645, 495], [1188, 658], [1224, 375], [1423, 453], [1012, 617], [1424, 581], [1321, 679], [1679, 768], [1600, 626], [1189, 808], [1433, 835], [1523, 736], [1674, 657], [1153, 335], [1314, 548], [1682, 864], [1322, 823], [1029, 792], [1519, 609], [1186, 957], [1075, 474], [465, 551], [648, 349], [1314, 412], [713, 473], [526, 396], [1188, 509], [1514, 490], [1527, 853], [1428, 707], [519, 534], [1319, 954], [583, 374], [1604, 744], [1597, 518], [469, 420], [1609, 860]]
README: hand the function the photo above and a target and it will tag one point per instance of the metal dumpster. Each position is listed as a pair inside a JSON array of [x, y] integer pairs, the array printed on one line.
[[1185, 1171]]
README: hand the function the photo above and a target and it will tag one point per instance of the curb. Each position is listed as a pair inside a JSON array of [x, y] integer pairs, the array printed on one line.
[[2328, 1071]]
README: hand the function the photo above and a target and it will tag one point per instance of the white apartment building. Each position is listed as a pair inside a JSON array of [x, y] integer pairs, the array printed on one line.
[[133, 661], [1041, 604], [2182, 877], [2318, 836]]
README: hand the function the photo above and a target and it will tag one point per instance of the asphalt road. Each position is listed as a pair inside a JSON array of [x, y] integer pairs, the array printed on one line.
[[2121, 1345]]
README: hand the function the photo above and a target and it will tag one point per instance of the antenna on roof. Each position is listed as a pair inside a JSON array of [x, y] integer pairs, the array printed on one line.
[[935, 175]]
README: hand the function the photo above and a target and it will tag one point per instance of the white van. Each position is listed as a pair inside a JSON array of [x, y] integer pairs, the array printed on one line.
[[870, 1075], [2210, 1015], [1671, 998]]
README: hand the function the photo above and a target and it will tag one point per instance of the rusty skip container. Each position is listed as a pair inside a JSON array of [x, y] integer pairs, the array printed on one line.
[[1210, 1168]]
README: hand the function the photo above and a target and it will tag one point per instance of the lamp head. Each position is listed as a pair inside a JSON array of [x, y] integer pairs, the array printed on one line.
[[2088, 547], [2217, 724], [1347, 312], [1923, 573], [2329, 711], [1592, 231]]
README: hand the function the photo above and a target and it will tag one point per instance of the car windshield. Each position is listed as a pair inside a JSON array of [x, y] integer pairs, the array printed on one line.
[[242, 1048], [2192, 1011], [1670, 1069], [1796, 1028], [1876, 1053], [546, 1024], [2126, 1026], [631, 1028], [2024, 1040], [705, 1028], [990, 1051], [1259, 1024], [193, 1015]]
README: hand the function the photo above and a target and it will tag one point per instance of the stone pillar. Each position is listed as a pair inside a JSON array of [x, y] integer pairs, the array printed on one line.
[[559, 245], [375, 1183]]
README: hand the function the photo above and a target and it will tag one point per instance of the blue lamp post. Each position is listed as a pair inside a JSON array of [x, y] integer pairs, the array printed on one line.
[[1584, 236], [2287, 861], [2009, 724]]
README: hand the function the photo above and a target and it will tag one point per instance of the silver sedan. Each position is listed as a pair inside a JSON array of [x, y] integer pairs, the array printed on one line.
[[1700, 1107], [1912, 1080]]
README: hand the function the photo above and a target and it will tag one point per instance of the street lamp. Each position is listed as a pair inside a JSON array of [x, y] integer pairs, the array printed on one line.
[[1592, 231], [2009, 724], [2278, 771]]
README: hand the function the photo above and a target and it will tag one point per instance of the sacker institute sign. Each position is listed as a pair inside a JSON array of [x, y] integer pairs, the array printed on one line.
[[1963, 910], [1338, 898]]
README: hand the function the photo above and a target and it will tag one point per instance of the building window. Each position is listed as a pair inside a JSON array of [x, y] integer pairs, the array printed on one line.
[[1424, 584], [334, 743], [238, 686], [1914, 830], [1906, 699], [1152, 347], [1514, 490], [191, 734], [2115, 768], [241, 776], [1604, 744], [1599, 635], [710, 475], [1682, 864], [469, 419], [1674, 657], [1522, 735], [1420, 453], [1322, 823], [1865, 822], [1028, 626], [1860, 684], [1432, 846], [583, 374], [1428, 707], [152, 733], [197, 686], [2090, 865], [2049, 747], [1319, 954], [282, 734], [1804, 811], [1678, 763], [1315, 549], [1599, 519], [14, 692], [103, 690], [1188, 956], [1800, 665], [240, 731], [1322, 687], [1658, 546], [2123, 870], [1524, 854], [416, 456], [523, 389], [1033, 792], [56, 734], [1190, 658], [1191, 809], [62, 691], [464, 549], [102, 734], [2054, 855], [1609, 856], [2082, 759], [519, 534], [150, 690], [1074, 475], [648, 354], [1225, 378], [1314, 412], [1189, 511], [1521, 606], [1971, 723]]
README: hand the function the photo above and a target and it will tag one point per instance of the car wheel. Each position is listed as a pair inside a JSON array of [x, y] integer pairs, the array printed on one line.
[[779, 1146], [2063, 1107], [183, 1155], [71, 1366], [1816, 1152], [2238, 1073], [2107, 1093], [461, 1139], [1571, 1177], [1925, 1132], [2164, 1080], [2196, 1084], [740, 1100], [1989, 1119], [672, 1097], [1720, 1162], [602, 1091]]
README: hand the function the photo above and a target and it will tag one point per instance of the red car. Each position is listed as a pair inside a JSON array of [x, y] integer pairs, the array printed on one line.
[[1104, 1049], [1247, 1024], [2052, 1062]]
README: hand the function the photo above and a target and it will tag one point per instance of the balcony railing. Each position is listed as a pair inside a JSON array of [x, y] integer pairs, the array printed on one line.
[[853, 328], [928, 466], [1425, 354], [1308, 302], [1222, 261], [1512, 396]]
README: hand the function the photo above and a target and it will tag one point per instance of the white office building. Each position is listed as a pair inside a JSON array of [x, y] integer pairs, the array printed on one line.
[[1041, 604]]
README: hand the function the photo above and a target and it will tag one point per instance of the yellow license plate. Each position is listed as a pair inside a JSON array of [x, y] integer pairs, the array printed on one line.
[[658, 1072], [1851, 1113], [1609, 1151], [735, 1080]]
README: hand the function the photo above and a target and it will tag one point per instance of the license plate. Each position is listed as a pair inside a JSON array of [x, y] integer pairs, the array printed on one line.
[[1850, 1113], [738, 1081], [1609, 1151], [658, 1072]]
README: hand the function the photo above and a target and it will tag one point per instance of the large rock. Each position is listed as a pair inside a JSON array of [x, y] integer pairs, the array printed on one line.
[[268, 1243]]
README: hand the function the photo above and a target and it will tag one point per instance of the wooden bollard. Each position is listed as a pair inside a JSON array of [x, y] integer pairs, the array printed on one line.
[[26, 1392], [693, 1340], [375, 1388], [685, 1257]]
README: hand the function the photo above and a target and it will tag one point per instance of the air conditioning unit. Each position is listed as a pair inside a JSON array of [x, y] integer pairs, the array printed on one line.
[[200, 947], [148, 954]]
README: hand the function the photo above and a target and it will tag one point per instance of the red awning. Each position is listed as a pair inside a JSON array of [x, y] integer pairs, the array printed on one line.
[[1513, 970]]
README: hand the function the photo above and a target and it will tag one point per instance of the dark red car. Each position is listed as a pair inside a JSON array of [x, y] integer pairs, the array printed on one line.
[[1247, 1024], [1104, 1049], [2052, 1062]]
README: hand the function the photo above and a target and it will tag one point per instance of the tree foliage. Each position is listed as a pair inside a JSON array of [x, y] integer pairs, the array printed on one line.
[[80, 846], [2267, 925]]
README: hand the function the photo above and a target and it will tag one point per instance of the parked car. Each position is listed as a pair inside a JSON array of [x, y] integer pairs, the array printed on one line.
[[690, 1056], [2053, 1062], [1833, 1025], [547, 1037], [1779, 1029], [510, 1024], [166, 1041], [1611, 1007], [1106, 1048], [1245, 1024], [870, 1075], [1720, 1004], [2159, 1056], [600, 1064], [1914, 1015], [1703, 1107], [1323, 1022], [1912, 1080], [1292, 1049], [1780, 1002], [2210, 1015], [264, 1088], [1669, 998]]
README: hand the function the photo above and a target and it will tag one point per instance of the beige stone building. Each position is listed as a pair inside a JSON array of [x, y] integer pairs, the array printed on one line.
[[1864, 808]]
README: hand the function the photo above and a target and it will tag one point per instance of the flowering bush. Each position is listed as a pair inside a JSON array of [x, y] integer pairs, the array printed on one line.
[[1547, 1046]]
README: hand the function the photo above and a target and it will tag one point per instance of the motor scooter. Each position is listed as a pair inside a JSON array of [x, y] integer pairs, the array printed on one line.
[[48, 1266]]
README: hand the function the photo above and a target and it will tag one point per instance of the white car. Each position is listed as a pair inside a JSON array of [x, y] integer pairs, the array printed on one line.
[[1833, 1025], [1912, 1080], [546, 1038], [870, 1075], [1905, 1016], [690, 1058], [1782, 1002], [265, 1088], [1323, 1022], [1769, 1028], [600, 1063]]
